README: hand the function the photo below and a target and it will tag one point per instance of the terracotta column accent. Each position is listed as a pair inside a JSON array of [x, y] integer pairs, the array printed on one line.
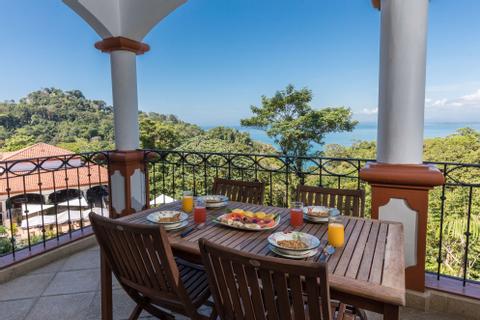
[[122, 43], [400, 193], [128, 190], [128, 179]]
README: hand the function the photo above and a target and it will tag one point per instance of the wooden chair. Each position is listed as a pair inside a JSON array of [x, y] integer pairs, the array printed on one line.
[[349, 202], [247, 286], [241, 191], [142, 260]]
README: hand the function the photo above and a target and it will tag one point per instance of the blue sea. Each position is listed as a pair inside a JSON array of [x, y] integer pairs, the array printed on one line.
[[366, 131]]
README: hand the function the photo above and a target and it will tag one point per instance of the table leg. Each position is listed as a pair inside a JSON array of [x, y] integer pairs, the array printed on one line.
[[391, 312], [106, 287]]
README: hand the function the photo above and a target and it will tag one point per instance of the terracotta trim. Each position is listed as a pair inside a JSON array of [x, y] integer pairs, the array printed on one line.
[[122, 43], [376, 4], [412, 175]]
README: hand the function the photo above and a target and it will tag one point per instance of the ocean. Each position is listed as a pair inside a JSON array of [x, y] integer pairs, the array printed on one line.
[[365, 131]]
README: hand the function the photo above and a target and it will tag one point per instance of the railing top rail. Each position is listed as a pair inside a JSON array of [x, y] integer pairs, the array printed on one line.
[[59, 156], [279, 155]]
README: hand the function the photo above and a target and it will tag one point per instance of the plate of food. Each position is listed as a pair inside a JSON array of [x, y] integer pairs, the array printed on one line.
[[248, 220], [170, 219], [319, 213], [293, 243], [215, 200], [308, 254]]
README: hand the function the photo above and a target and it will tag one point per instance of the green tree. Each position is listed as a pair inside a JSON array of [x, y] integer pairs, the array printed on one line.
[[294, 125], [18, 141], [288, 118]]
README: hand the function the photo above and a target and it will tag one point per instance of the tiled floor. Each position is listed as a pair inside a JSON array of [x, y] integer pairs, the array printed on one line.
[[69, 289]]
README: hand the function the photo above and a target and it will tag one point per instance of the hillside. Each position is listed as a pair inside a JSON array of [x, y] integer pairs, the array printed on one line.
[[69, 120]]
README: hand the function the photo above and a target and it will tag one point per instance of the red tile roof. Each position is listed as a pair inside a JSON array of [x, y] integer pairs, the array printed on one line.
[[22, 181], [38, 150]]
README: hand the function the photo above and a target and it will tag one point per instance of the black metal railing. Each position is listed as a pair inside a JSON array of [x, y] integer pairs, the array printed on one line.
[[454, 218], [44, 202]]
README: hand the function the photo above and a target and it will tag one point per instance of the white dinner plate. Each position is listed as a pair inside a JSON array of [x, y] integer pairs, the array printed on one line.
[[177, 226], [154, 216], [308, 254], [333, 212], [214, 198], [311, 241], [216, 204]]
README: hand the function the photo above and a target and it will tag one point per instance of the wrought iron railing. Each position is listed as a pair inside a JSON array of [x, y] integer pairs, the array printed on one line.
[[454, 217], [38, 197], [44, 202]]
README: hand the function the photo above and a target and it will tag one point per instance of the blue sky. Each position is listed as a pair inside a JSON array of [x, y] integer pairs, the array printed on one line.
[[212, 59]]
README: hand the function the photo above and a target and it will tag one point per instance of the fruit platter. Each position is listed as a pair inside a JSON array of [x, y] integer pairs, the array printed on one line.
[[249, 220]]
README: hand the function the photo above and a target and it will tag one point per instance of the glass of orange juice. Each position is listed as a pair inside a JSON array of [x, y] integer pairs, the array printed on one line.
[[187, 201], [336, 232]]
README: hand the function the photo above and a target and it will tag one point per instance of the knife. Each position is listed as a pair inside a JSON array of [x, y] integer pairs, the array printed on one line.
[[187, 232]]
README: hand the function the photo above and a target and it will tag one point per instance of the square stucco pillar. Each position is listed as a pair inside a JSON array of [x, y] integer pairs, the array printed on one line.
[[400, 193]]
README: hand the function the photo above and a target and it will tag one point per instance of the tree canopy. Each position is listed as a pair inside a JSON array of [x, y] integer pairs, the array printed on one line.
[[70, 120], [288, 118]]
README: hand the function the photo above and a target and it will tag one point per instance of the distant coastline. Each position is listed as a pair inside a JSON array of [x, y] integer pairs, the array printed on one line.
[[365, 132]]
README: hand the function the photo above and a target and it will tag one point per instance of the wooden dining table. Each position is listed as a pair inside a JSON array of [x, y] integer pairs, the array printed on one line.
[[367, 272]]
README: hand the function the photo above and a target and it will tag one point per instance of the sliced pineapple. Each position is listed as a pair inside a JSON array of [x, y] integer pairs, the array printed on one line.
[[269, 216], [237, 211], [249, 214], [260, 215]]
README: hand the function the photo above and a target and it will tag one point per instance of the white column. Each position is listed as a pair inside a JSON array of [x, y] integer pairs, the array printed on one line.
[[125, 100], [403, 45]]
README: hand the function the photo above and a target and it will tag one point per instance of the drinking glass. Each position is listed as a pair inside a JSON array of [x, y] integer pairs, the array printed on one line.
[[336, 232], [296, 214], [187, 201], [200, 211]]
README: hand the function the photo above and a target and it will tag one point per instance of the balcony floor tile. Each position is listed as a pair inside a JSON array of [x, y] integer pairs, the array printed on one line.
[[29, 286], [66, 282], [88, 259], [71, 307], [50, 268], [15, 309]]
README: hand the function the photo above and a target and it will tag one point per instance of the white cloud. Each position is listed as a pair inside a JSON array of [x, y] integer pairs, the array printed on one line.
[[368, 112], [469, 100]]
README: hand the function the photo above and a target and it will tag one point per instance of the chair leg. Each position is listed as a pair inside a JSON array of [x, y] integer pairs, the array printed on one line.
[[136, 312]]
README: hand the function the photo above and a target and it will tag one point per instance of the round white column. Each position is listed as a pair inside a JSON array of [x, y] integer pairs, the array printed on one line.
[[125, 100], [403, 45]]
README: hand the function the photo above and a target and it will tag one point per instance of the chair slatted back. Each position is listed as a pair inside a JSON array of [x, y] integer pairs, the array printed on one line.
[[246, 286], [141, 258], [349, 202], [241, 191]]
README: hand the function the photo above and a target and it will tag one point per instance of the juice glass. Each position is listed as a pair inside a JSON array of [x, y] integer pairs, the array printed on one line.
[[296, 214], [200, 212], [336, 232], [187, 201]]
